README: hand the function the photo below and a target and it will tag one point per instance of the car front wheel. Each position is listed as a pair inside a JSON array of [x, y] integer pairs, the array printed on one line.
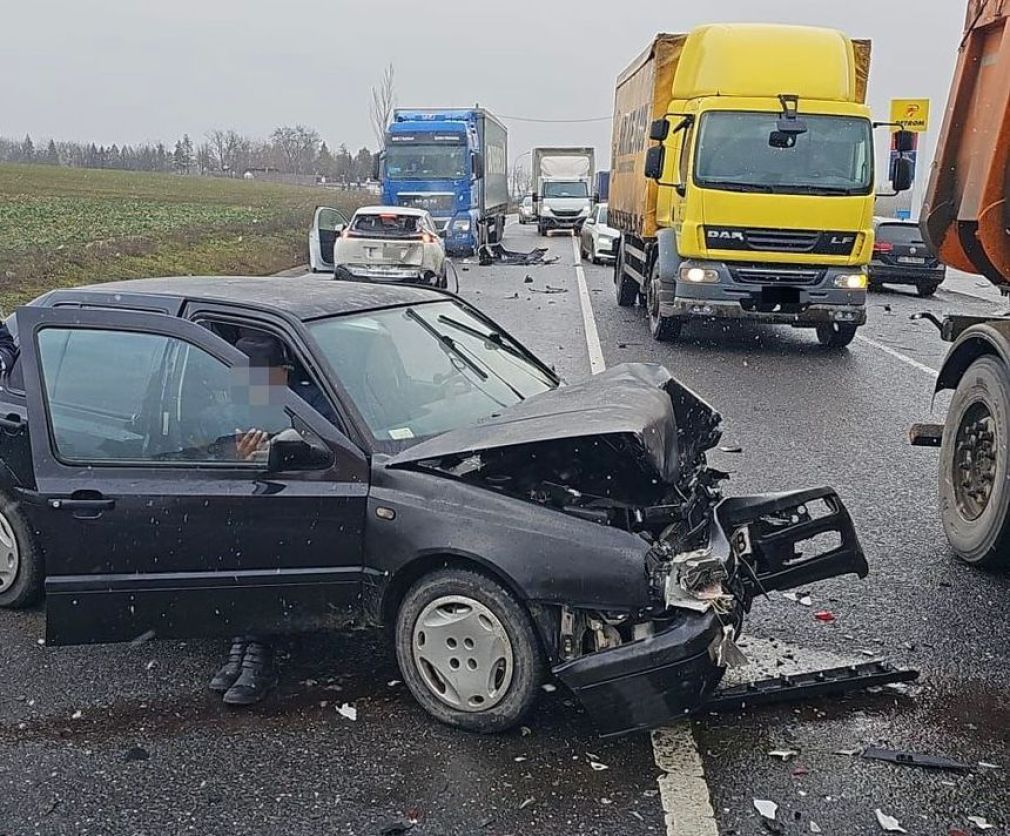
[[468, 651], [22, 571], [835, 336]]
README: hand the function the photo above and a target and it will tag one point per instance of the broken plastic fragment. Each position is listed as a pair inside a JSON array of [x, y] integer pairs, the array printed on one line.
[[549, 688], [767, 809], [889, 824], [526, 803], [347, 711], [598, 767], [815, 828], [981, 823], [825, 616], [783, 754]]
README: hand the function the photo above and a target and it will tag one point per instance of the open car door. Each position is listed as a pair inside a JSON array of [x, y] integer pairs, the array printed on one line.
[[327, 224], [155, 520]]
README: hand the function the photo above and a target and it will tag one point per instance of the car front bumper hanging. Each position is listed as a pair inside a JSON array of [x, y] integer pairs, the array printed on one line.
[[764, 541]]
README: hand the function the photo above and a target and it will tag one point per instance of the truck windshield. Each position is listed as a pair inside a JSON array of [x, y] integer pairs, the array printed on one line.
[[426, 162], [834, 156], [574, 189], [418, 371]]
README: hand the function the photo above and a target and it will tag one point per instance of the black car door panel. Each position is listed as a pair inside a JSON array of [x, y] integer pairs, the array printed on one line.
[[151, 521]]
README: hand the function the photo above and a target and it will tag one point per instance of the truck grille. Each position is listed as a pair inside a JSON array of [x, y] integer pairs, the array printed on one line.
[[776, 275], [813, 241], [566, 213], [436, 204]]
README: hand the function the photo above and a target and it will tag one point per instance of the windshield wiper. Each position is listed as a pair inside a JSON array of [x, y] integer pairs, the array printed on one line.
[[496, 339], [447, 343], [734, 186], [823, 190]]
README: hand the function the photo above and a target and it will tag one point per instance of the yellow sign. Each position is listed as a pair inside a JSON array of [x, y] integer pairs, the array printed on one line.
[[911, 114]]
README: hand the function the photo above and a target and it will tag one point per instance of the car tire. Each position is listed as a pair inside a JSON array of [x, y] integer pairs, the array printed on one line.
[[625, 288], [833, 335], [22, 567], [664, 329], [978, 532], [926, 290], [507, 639], [342, 274]]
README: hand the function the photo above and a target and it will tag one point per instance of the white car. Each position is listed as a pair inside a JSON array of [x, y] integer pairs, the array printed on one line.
[[597, 240], [526, 214], [327, 224], [390, 244]]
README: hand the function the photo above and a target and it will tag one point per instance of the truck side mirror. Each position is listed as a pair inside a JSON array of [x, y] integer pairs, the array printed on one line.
[[904, 141], [655, 158], [596, 198], [376, 165], [536, 198], [659, 130], [477, 165], [904, 174]]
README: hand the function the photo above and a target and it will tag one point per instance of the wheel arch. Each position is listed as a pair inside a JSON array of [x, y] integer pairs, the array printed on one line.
[[990, 339]]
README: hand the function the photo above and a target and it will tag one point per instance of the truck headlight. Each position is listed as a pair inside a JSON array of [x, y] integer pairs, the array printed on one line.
[[699, 275], [851, 281], [545, 210], [461, 225]]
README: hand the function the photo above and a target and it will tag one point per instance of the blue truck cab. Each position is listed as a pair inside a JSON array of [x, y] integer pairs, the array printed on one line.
[[453, 164]]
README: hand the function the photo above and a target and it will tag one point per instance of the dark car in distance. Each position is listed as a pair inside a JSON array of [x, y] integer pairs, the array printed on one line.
[[900, 256], [506, 527]]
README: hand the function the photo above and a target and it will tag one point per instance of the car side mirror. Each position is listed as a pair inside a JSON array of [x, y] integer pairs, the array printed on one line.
[[655, 158], [904, 174], [904, 141], [339, 228], [536, 199], [596, 198], [290, 451], [589, 222]]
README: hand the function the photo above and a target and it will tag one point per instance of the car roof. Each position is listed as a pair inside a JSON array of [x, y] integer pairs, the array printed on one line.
[[304, 297], [390, 210]]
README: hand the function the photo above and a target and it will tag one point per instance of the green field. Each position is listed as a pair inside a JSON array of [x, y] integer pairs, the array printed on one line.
[[64, 226]]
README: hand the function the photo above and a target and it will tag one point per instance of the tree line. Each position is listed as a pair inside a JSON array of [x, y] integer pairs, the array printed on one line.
[[288, 150]]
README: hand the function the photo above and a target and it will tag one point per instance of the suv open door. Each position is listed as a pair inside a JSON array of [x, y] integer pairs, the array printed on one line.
[[327, 224], [154, 519]]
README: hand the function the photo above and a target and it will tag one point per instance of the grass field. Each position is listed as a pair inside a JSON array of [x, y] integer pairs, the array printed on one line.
[[61, 227]]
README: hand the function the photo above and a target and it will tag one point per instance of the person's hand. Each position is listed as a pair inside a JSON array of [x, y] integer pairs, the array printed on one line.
[[250, 444]]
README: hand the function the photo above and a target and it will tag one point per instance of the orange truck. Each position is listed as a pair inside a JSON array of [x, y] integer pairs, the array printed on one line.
[[966, 217]]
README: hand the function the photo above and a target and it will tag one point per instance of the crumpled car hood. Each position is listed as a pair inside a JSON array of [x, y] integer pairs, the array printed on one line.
[[640, 406]]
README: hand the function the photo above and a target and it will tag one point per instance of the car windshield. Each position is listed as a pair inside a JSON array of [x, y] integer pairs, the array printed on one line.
[[385, 225], [426, 162], [899, 233], [834, 156], [418, 371], [559, 189]]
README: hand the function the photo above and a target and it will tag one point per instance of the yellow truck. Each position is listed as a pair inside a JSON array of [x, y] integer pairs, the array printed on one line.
[[743, 179]]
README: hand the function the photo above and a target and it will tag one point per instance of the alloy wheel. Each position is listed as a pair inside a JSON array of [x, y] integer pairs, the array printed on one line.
[[10, 556]]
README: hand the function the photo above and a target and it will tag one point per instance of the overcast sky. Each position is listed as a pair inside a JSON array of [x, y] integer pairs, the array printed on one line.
[[126, 71]]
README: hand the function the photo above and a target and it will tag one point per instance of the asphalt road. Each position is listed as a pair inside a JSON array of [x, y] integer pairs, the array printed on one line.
[[127, 740]]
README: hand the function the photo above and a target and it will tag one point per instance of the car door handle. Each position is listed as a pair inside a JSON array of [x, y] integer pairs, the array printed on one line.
[[84, 509], [12, 423]]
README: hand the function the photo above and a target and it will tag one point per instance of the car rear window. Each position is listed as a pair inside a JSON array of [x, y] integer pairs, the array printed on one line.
[[899, 233], [389, 225]]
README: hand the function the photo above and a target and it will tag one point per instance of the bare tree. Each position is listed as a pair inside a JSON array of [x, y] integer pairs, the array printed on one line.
[[299, 147], [520, 181], [383, 102]]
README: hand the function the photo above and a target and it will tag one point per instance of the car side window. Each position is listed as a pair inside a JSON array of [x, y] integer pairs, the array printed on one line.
[[130, 397]]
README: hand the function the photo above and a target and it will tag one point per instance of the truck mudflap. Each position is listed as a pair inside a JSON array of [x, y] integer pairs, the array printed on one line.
[[767, 542]]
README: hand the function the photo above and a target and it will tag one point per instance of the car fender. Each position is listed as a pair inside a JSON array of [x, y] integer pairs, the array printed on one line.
[[990, 338], [542, 555]]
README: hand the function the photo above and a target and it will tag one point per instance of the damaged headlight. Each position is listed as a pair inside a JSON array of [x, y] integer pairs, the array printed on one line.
[[696, 581]]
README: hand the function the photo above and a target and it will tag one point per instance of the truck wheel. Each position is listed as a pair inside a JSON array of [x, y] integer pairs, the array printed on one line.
[[973, 491], [835, 336], [468, 651], [926, 290], [625, 287], [22, 569], [663, 328]]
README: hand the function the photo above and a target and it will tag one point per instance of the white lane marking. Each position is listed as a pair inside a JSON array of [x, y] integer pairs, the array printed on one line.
[[687, 805], [897, 355], [596, 361]]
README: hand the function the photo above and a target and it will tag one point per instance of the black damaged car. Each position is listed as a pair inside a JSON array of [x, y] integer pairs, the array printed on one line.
[[423, 470]]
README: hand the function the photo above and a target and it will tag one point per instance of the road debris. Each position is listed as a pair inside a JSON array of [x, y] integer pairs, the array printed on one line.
[[802, 600], [347, 711], [528, 279], [526, 803], [549, 688], [597, 766], [77, 715], [889, 824], [825, 616], [981, 823], [815, 827], [783, 754], [913, 759], [766, 808], [397, 828], [549, 289], [492, 253], [136, 753], [986, 765]]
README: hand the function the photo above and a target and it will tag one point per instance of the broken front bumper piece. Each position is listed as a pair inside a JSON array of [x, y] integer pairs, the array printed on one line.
[[764, 543]]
